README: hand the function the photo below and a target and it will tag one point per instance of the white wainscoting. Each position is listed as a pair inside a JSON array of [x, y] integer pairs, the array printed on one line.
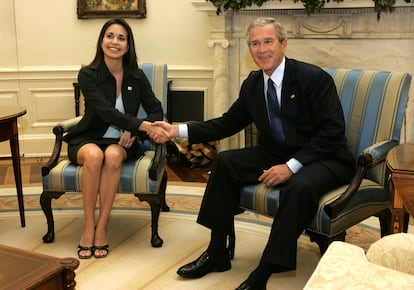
[[47, 95]]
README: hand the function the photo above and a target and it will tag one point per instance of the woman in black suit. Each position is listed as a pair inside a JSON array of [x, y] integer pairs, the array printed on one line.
[[307, 157], [114, 88]]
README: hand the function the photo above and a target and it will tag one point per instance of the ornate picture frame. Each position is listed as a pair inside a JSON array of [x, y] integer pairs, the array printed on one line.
[[88, 9]]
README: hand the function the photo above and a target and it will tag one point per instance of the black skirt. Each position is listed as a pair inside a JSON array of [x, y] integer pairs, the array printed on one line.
[[134, 151]]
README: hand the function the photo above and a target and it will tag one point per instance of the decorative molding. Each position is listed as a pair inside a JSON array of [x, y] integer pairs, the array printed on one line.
[[331, 27], [47, 94], [368, 43], [202, 5]]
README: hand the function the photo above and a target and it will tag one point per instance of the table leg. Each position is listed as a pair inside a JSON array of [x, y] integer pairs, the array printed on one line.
[[14, 147], [399, 219]]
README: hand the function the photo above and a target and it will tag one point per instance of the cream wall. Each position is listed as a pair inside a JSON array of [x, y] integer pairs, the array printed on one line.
[[44, 44], [49, 33]]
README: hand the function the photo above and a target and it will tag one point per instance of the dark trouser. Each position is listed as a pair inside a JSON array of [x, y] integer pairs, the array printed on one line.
[[299, 199]]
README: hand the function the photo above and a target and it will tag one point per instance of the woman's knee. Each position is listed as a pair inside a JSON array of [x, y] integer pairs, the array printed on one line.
[[91, 156], [114, 156]]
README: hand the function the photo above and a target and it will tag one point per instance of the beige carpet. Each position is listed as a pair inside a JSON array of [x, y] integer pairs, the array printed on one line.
[[133, 263]]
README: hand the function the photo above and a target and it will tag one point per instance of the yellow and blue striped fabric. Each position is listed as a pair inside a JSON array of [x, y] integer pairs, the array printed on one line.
[[373, 103], [66, 176]]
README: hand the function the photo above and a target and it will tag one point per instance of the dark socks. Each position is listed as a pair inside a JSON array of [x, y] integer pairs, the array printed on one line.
[[258, 278], [218, 244]]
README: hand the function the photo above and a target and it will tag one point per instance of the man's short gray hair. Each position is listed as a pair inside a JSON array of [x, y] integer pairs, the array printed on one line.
[[262, 21]]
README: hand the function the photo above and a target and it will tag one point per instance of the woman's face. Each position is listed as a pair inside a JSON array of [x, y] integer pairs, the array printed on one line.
[[115, 42]]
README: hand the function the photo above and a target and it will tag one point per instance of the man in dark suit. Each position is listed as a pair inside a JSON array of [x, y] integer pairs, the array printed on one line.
[[302, 148]]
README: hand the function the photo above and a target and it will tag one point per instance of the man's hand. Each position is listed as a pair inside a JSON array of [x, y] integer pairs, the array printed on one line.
[[275, 175], [171, 131], [157, 133]]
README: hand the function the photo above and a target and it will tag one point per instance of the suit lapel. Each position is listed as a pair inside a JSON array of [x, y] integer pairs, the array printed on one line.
[[289, 101]]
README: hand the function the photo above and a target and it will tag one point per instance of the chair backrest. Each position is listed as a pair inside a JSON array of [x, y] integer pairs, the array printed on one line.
[[157, 75], [373, 102]]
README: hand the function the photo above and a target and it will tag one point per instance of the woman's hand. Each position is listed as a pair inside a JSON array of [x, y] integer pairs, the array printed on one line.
[[126, 140], [170, 131], [157, 133]]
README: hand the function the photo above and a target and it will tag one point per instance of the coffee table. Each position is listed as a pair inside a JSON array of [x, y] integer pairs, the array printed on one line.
[[22, 269]]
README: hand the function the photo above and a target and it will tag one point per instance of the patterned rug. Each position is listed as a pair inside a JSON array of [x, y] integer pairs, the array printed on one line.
[[182, 198]]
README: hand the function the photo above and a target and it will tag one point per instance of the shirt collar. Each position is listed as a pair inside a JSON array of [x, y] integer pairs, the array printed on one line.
[[277, 75]]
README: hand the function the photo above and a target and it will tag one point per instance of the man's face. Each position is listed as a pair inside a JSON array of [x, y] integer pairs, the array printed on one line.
[[265, 48]]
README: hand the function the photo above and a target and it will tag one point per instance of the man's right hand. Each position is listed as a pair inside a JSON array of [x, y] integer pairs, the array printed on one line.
[[168, 130]]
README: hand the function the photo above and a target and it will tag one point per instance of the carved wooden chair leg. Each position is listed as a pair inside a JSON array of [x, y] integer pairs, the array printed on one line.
[[46, 204], [155, 204], [156, 241], [162, 189]]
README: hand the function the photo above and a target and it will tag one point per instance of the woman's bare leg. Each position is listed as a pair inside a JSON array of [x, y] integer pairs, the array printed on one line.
[[109, 182], [90, 156]]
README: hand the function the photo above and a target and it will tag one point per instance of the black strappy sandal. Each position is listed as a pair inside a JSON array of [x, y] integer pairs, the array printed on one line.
[[82, 248], [101, 248]]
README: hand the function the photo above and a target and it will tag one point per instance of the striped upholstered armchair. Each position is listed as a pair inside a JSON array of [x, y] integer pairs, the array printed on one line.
[[373, 103], [144, 177]]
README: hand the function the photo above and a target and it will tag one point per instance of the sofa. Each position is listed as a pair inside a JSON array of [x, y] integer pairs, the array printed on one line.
[[387, 264]]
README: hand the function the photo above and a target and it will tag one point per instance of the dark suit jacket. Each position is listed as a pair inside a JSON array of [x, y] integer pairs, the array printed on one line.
[[99, 89], [312, 117]]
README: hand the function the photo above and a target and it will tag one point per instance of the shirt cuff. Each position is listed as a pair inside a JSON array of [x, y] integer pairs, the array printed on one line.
[[183, 130], [294, 165]]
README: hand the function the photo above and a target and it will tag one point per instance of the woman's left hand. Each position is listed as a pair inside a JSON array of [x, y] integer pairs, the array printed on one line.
[[126, 140]]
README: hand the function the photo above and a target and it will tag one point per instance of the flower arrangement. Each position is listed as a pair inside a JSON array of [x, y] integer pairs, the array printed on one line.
[[311, 6]]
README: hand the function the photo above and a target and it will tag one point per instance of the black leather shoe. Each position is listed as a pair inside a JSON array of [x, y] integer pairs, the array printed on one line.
[[204, 265], [245, 286]]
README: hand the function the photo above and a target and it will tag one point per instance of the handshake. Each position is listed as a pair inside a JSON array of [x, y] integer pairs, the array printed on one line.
[[161, 131]]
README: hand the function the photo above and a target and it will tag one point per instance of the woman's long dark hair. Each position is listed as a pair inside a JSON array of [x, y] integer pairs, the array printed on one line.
[[130, 57]]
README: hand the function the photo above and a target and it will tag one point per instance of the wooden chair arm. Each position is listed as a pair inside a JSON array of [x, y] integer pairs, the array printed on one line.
[[332, 209], [158, 161], [370, 157], [59, 130]]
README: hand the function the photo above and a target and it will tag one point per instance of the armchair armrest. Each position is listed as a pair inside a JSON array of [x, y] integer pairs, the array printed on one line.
[[158, 160], [60, 129], [66, 125], [368, 158], [377, 152]]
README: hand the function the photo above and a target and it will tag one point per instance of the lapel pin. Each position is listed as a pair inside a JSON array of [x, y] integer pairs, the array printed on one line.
[[292, 96], [129, 88]]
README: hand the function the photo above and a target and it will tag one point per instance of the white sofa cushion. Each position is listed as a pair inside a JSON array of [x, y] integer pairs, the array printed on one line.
[[345, 266], [394, 251]]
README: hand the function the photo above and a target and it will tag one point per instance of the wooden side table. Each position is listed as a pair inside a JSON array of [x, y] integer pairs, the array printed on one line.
[[21, 269], [400, 164], [8, 131]]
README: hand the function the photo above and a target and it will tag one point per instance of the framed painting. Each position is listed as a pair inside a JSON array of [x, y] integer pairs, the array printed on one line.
[[111, 8]]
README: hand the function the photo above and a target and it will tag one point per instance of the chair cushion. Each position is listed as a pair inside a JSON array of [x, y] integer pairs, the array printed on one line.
[[66, 176], [371, 197], [260, 198]]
